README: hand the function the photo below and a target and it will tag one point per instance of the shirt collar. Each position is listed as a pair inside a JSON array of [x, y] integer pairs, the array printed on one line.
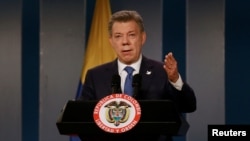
[[135, 65]]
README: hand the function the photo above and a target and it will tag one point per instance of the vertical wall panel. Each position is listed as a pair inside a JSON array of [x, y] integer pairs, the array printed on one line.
[[30, 69], [174, 36], [10, 70], [61, 53], [237, 62], [205, 64]]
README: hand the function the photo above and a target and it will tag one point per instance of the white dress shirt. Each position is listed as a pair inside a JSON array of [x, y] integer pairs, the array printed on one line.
[[178, 84], [123, 73]]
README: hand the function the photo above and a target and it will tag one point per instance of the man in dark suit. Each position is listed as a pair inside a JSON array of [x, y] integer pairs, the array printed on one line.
[[159, 80]]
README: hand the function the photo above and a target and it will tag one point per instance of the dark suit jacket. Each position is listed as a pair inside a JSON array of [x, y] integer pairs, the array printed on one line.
[[154, 85]]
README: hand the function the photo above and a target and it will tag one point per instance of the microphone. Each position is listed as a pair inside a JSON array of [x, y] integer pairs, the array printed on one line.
[[115, 84], [136, 84]]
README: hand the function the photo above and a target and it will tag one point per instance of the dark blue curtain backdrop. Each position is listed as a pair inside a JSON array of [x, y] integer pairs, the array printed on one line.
[[174, 35], [90, 6], [237, 50], [30, 70]]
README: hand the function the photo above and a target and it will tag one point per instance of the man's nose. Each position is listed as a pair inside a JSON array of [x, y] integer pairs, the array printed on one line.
[[125, 40]]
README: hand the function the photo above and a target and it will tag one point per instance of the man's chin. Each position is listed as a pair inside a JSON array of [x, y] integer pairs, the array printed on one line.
[[128, 61]]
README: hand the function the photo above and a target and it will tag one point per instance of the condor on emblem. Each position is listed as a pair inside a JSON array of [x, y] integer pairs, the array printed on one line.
[[117, 113]]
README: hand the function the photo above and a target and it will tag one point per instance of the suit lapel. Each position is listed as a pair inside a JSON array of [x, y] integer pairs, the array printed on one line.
[[146, 70], [111, 70]]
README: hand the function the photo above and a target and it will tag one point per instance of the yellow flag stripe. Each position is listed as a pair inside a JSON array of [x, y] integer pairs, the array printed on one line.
[[98, 49]]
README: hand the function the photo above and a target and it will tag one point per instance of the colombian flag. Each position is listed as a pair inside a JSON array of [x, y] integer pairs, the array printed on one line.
[[98, 50]]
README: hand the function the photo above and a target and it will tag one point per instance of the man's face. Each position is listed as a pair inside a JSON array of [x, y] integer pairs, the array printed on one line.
[[127, 41]]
